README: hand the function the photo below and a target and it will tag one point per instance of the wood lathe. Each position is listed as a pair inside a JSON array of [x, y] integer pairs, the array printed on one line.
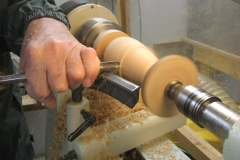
[[168, 85], [168, 90]]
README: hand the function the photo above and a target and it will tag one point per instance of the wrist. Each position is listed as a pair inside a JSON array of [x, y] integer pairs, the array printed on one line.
[[42, 29], [45, 23], [38, 14]]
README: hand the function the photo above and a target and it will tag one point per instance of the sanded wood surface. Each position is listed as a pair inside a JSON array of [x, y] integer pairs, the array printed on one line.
[[103, 40]]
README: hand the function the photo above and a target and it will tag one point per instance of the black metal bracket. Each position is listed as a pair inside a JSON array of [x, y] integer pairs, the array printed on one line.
[[124, 91], [77, 94]]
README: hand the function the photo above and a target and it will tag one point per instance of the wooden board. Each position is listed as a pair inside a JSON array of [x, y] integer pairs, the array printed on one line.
[[122, 7], [218, 59], [195, 145]]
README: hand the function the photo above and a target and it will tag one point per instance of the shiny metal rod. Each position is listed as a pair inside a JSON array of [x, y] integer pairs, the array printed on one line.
[[17, 78], [203, 108]]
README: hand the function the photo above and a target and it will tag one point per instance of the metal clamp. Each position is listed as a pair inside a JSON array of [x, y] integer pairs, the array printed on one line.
[[90, 119]]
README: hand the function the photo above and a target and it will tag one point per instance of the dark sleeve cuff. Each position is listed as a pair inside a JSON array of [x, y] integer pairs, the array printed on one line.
[[35, 14]]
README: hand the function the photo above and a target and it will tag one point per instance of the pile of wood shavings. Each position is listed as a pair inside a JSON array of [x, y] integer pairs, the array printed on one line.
[[106, 109], [59, 131]]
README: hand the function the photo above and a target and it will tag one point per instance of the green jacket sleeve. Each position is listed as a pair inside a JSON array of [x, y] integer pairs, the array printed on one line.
[[20, 13]]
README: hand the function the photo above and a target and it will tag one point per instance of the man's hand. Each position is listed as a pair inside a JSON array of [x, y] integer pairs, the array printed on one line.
[[53, 60]]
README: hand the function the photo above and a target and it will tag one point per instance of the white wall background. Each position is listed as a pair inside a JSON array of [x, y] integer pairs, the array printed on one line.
[[158, 21]]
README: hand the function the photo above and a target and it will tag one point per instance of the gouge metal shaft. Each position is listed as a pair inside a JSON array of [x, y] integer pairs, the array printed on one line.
[[17, 78]]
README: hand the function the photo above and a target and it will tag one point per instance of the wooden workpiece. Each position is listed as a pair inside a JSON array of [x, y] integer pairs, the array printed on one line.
[[164, 71], [139, 65], [102, 41]]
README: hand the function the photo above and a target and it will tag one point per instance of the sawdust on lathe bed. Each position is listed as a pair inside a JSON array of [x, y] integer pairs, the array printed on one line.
[[107, 109]]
